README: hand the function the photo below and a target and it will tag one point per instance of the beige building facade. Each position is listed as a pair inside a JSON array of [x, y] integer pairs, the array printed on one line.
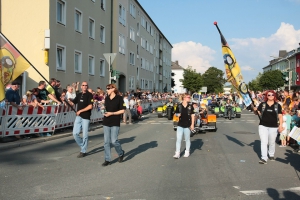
[[66, 39]]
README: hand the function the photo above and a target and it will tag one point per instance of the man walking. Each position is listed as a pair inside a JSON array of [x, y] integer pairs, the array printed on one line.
[[84, 101], [114, 106]]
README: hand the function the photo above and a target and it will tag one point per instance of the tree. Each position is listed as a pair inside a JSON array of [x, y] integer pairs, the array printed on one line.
[[213, 80], [254, 84], [192, 81], [271, 80]]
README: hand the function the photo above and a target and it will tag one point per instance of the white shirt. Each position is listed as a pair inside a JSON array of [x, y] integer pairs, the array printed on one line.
[[126, 103], [70, 95]]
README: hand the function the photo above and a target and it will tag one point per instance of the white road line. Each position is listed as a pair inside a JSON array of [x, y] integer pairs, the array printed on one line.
[[155, 123], [142, 123], [150, 121], [227, 122], [167, 123], [259, 192], [161, 121], [251, 120]]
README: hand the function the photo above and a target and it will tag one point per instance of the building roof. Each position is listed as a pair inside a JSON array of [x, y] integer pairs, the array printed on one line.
[[175, 65]]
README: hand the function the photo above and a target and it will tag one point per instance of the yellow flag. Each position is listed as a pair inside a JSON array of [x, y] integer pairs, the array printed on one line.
[[12, 64], [233, 71]]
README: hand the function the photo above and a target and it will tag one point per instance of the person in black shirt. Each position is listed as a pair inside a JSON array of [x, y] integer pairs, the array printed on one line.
[[84, 101], [185, 111], [114, 106], [268, 125]]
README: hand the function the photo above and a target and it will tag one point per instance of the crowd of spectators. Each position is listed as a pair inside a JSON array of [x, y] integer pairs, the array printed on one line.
[[55, 94]]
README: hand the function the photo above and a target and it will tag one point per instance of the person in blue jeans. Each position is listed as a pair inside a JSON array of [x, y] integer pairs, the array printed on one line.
[[115, 107], [185, 112], [84, 101]]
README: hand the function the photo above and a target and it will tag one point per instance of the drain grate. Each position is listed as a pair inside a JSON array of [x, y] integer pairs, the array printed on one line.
[[243, 132]]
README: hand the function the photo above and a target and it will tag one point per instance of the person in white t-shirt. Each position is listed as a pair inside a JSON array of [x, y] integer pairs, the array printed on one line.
[[30, 100], [70, 94]]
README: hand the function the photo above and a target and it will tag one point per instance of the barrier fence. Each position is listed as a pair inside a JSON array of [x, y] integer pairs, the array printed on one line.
[[37, 120]]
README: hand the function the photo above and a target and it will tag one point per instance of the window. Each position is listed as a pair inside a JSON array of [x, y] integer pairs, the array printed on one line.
[[143, 42], [142, 63], [147, 45], [132, 10], [137, 49], [91, 28], [131, 58], [132, 34], [122, 14], [78, 21], [102, 34], [78, 61], [102, 67], [151, 49], [143, 21], [146, 25], [60, 57], [103, 4], [61, 11], [131, 82], [91, 65], [138, 29], [121, 43]]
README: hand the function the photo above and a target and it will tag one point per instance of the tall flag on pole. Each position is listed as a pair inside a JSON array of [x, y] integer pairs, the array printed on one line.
[[12, 64], [233, 71]]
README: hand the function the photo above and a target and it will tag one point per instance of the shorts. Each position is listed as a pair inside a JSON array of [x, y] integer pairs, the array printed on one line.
[[282, 136]]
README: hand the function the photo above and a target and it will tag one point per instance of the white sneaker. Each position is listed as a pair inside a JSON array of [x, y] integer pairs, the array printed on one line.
[[282, 146], [186, 154], [177, 155]]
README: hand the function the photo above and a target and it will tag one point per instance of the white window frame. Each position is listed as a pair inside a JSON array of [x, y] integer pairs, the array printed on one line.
[[132, 34], [103, 4], [92, 67], [91, 34], [102, 67], [132, 10], [143, 21], [122, 44], [79, 70], [131, 82], [122, 14], [131, 58], [102, 40], [63, 57], [63, 12], [79, 22]]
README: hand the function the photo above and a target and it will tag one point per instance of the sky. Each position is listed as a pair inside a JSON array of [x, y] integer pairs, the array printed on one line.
[[254, 30]]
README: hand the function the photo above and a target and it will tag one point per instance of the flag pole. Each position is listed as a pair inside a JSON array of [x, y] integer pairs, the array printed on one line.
[[33, 66]]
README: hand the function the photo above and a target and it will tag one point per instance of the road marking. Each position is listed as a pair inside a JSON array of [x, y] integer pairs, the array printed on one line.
[[161, 121], [259, 192], [142, 123], [251, 120], [227, 122], [151, 121], [155, 123], [167, 123]]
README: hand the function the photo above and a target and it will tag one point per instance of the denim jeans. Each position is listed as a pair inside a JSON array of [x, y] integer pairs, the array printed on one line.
[[187, 133], [267, 137], [111, 136], [81, 124]]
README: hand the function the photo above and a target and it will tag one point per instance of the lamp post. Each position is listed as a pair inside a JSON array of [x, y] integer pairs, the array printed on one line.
[[289, 69]]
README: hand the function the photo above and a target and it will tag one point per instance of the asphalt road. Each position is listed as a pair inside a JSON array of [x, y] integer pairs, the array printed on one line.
[[222, 165]]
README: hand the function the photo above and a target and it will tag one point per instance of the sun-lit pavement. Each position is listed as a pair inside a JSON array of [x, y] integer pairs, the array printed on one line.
[[222, 165]]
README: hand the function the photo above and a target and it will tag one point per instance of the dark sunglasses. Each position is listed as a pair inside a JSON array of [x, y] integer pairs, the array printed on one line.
[[270, 95], [84, 85]]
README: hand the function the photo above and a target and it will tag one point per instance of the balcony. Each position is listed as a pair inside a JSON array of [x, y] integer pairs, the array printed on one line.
[[160, 62], [160, 47]]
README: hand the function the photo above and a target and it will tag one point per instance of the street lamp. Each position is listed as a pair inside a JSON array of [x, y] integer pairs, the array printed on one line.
[[289, 69]]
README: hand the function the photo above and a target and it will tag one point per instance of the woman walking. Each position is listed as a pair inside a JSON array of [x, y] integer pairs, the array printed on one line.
[[185, 112], [270, 114]]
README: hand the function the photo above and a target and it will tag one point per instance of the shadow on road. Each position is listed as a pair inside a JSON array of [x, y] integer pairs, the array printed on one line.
[[122, 141], [292, 159], [196, 145], [274, 194], [140, 149], [256, 147]]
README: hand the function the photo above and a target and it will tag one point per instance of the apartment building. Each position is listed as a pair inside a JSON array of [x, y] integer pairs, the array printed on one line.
[[143, 52], [66, 39], [287, 61]]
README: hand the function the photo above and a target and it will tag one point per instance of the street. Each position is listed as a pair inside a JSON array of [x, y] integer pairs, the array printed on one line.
[[222, 165]]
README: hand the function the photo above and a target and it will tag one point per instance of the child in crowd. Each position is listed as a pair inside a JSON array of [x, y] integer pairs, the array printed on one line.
[[286, 126], [150, 108], [139, 110]]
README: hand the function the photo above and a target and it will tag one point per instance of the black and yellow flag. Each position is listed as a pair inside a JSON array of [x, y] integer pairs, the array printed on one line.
[[233, 71], [12, 64]]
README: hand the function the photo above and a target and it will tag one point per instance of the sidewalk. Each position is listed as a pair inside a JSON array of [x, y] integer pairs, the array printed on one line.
[[25, 142]]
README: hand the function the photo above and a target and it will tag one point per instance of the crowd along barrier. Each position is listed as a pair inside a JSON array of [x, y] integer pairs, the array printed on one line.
[[32, 120]]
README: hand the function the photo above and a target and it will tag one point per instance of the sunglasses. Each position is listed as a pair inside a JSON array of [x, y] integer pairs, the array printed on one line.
[[187, 97], [84, 85], [270, 95]]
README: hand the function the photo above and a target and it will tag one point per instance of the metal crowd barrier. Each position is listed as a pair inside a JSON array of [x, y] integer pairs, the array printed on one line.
[[37, 120]]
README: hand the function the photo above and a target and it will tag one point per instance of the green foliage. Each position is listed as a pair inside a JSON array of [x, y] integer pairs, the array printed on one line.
[[254, 84], [192, 80], [271, 80], [213, 78]]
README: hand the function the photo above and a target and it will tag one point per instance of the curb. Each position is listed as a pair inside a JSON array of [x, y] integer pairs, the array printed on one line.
[[21, 143]]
